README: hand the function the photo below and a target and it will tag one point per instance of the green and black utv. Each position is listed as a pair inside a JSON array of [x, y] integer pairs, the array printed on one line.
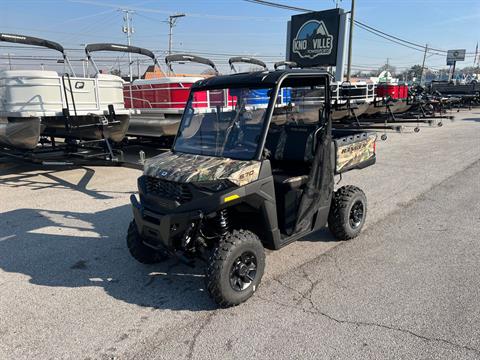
[[253, 169]]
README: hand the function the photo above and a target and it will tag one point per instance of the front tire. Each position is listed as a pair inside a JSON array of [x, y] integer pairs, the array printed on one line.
[[347, 212], [235, 268], [139, 251]]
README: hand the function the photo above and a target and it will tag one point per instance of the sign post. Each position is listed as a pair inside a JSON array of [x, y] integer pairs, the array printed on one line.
[[452, 57], [350, 40]]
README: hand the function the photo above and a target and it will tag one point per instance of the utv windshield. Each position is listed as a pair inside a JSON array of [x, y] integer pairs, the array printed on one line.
[[223, 122]]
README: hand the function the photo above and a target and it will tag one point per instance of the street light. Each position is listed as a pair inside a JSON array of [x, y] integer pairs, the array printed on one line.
[[172, 19]]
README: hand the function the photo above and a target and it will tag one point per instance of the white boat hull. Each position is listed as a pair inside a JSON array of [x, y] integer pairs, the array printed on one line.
[[33, 103]]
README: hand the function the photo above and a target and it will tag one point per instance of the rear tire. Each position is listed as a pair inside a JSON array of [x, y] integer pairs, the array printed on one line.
[[139, 251], [235, 268], [347, 212]]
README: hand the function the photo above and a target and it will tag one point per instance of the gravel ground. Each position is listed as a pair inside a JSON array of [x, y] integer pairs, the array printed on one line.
[[405, 288]]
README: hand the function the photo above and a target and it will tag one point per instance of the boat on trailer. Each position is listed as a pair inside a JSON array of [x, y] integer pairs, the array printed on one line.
[[159, 102], [390, 96], [351, 100], [40, 103]]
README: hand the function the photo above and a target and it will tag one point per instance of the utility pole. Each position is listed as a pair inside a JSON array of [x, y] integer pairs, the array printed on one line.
[[9, 62], [423, 63], [172, 20], [128, 30], [350, 40]]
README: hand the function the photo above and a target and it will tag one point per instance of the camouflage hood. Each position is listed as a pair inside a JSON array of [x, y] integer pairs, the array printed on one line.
[[184, 168]]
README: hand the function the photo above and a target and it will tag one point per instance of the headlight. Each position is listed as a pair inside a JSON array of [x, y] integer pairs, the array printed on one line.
[[217, 185]]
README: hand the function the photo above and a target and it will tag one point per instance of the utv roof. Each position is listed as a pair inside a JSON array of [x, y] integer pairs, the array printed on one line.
[[258, 78]]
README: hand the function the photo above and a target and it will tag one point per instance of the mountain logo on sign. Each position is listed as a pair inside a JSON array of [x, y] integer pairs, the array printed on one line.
[[312, 40]]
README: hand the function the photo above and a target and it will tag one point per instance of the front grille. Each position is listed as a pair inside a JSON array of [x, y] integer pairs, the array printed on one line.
[[168, 190]]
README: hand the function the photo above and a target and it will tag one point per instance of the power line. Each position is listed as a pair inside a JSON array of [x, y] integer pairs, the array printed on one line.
[[373, 30], [277, 5], [392, 40], [394, 37]]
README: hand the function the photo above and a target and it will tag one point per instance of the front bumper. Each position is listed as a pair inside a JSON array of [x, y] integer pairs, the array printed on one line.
[[162, 230]]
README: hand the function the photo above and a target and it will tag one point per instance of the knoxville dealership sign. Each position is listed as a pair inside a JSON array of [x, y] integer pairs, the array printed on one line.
[[314, 38]]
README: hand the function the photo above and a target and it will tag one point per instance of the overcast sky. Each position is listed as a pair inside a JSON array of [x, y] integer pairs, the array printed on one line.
[[219, 28]]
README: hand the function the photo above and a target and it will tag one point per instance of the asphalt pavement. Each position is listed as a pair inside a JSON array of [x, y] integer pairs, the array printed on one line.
[[406, 288]]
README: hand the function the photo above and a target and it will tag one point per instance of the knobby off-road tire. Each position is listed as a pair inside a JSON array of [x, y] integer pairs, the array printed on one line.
[[235, 268], [139, 251], [347, 212]]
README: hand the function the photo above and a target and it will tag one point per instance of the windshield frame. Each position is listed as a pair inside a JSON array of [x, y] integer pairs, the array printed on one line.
[[265, 121]]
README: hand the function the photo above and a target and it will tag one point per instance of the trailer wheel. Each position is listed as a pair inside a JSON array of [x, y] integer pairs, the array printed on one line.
[[235, 268], [347, 212], [139, 251]]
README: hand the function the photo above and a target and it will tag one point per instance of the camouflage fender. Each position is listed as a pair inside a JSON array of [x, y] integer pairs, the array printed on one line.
[[178, 167]]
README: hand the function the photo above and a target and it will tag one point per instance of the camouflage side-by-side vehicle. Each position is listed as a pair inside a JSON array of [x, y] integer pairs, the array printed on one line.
[[249, 173]]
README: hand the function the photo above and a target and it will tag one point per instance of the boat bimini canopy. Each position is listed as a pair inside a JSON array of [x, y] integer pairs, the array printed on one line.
[[184, 58], [119, 48], [245, 60], [287, 64], [30, 40]]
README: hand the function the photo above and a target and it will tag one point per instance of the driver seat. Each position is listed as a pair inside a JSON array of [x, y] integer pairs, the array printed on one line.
[[292, 156], [291, 159]]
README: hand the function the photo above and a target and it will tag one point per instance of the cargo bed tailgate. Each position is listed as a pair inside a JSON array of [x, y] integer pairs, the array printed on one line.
[[354, 150]]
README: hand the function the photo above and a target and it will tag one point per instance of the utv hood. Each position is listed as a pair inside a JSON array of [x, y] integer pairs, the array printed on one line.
[[185, 168]]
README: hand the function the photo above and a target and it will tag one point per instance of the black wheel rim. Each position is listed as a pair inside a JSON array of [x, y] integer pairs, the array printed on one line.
[[243, 271], [356, 214]]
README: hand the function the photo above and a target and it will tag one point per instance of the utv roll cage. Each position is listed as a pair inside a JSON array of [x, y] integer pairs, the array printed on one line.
[[30, 40], [185, 58], [273, 79], [245, 60]]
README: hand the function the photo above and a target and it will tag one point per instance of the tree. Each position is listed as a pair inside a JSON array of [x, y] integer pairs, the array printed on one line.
[[416, 71], [390, 68]]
